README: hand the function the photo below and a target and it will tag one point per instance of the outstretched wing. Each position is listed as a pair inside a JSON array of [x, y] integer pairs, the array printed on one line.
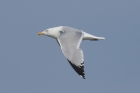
[[69, 41]]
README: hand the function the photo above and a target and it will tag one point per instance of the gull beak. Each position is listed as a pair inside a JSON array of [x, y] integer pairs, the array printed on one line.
[[40, 33]]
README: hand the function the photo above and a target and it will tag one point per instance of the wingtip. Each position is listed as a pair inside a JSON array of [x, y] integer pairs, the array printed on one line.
[[82, 77]]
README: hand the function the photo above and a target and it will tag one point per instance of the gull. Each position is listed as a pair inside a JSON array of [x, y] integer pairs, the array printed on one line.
[[69, 39]]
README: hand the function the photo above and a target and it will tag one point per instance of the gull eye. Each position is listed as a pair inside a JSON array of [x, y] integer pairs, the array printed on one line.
[[46, 30]]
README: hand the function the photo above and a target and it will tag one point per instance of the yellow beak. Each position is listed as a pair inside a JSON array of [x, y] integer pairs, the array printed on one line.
[[40, 33]]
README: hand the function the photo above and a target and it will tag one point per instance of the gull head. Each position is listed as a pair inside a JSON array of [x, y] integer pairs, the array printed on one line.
[[52, 32]]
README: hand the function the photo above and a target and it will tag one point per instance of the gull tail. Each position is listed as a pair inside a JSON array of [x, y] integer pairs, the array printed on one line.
[[97, 38], [91, 37]]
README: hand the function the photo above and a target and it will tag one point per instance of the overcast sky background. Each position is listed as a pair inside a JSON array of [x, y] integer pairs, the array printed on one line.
[[35, 64]]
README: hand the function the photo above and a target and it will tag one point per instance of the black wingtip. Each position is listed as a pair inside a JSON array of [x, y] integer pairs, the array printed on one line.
[[83, 77], [79, 70]]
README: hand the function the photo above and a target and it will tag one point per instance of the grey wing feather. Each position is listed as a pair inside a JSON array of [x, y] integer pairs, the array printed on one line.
[[70, 41]]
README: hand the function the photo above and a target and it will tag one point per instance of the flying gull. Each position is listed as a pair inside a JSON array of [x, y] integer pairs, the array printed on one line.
[[69, 40]]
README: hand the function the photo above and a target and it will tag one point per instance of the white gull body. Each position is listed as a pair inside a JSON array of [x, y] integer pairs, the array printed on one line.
[[69, 40]]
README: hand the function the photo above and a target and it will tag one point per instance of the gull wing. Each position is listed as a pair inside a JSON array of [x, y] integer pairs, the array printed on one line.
[[69, 41]]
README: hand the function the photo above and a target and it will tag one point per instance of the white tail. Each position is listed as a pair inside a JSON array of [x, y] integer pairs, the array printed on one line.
[[91, 37]]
